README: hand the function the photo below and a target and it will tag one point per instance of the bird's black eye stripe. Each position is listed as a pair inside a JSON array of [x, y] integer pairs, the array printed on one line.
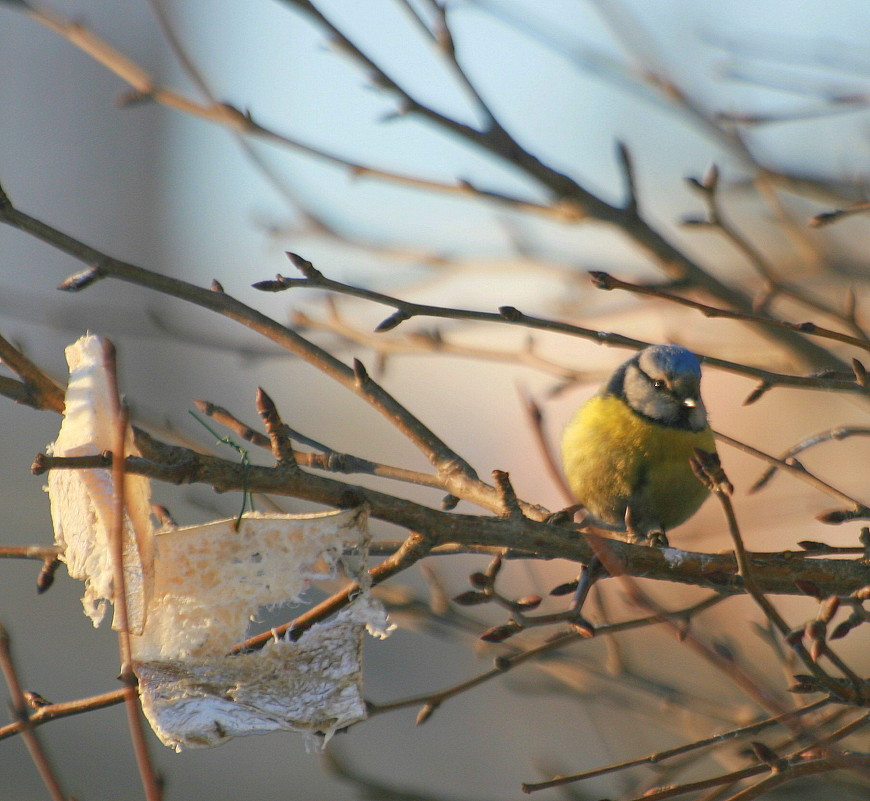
[[658, 384]]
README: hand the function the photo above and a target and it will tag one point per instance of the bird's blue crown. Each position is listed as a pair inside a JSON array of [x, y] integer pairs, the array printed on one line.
[[673, 359]]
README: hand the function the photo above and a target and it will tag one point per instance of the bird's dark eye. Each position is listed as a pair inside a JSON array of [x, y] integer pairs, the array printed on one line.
[[658, 384]]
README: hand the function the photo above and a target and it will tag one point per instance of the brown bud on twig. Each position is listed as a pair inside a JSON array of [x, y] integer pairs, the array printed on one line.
[[843, 628], [46, 576], [502, 632], [510, 313], [829, 608], [683, 630], [756, 393], [493, 568], [395, 319], [580, 625], [564, 589], [480, 580], [163, 515], [860, 373], [305, 267], [602, 280], [472, 598], [216, 286], [81, 280], [815, 631], [443, 35], [278, 285], [34, 700], [359, 372], [825, 218], [426, 712], [449, 502], [767, 755], [529, 602], [506, 492], [833, 517], [282, 448], [710, 180], [708, 469]]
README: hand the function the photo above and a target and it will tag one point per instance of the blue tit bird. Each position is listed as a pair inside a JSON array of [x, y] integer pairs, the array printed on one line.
[[626, 452]]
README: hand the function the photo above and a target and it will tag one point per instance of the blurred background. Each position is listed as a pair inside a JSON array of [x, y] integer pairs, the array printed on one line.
[[778, 101]]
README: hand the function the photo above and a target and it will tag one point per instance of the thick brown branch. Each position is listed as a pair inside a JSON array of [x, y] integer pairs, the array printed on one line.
[[778, 573], [37, 390]]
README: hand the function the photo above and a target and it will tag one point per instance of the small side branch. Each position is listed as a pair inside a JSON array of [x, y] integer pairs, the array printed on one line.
[[23, 722]]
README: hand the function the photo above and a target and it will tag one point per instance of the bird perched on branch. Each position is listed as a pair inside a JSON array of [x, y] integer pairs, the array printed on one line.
[[626, 452]]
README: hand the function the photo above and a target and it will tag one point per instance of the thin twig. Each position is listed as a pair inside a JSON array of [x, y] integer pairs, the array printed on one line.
[[46, 714], [120, 419], [25, 727], [836, 434], [279, 438], [512, 316], [828, 217], [40, 552], [790, 770], [709, 470], [795, 470], [328, 459], [660, 756], [773, 285], [432, 341], [518, 657], [604, 280]]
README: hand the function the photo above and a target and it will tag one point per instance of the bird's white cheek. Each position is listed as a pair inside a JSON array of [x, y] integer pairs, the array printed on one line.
[[698, 416]]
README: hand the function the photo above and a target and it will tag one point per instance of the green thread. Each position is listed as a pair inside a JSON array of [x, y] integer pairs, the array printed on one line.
[[247, 495]]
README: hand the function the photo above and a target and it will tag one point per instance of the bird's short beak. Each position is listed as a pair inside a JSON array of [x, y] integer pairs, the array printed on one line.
[[690, 402]]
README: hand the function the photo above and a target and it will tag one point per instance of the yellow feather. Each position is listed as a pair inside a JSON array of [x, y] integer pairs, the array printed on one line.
[[614, 458]]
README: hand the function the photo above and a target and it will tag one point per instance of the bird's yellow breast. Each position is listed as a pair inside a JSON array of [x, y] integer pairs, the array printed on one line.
[[614, 458]]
